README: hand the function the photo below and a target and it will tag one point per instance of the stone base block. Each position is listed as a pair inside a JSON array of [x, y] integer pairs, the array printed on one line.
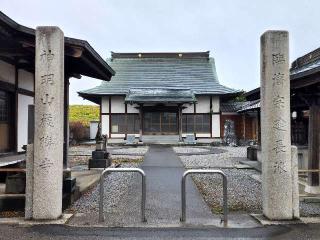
[[252, 153], [100, 155], [265, 221], [16, 183], [69, 198], [12, 202], [69, 185], [312, 189], [99, 163]]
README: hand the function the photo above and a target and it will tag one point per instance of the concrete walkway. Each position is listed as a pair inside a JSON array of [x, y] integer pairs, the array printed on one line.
[[164, 170]]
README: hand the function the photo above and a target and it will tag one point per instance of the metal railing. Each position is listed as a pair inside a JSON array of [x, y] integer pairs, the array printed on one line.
[[143, 200], [204, 171]]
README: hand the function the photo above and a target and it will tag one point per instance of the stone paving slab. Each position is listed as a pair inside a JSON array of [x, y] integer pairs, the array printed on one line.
[[164, 171]]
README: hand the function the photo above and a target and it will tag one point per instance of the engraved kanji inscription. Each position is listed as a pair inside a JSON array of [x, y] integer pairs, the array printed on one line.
[[46, 55], [45, 164], [278, 79], [46, 120], [279, 124], [278, 101], [278, 58], [46, 141], [47, 79], [46, 99], [278, 167], [279, 147]]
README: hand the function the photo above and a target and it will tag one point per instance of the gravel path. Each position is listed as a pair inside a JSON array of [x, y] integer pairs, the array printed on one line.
[[227, 159], [86, 150], [116, 184]]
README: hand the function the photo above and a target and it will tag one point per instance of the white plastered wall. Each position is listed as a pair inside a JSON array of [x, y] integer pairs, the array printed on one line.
[[117, 104], [7, 72], [105, 118], [23, 102], [203, 104], [105, 124], [25, 80], [132, 108], [216, 117], [105, 105], [189, 108]]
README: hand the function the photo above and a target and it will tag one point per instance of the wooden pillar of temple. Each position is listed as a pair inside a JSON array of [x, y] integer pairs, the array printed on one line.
[[259, 127], [244, 126], [66, 122], [180, 122], [314, 142], [141, 121]]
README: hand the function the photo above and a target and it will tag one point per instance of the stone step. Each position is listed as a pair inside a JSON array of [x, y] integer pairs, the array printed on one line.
[[161, 139]]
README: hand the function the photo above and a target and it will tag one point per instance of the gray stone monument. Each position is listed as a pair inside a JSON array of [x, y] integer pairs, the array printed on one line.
[[49, 120], [277, 184], [100, 157]]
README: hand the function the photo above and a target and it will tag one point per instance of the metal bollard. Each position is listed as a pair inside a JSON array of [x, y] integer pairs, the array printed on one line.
[[143, 201], [204, 171]]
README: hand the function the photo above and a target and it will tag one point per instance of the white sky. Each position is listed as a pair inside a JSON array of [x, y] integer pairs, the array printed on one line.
[[230, 29]]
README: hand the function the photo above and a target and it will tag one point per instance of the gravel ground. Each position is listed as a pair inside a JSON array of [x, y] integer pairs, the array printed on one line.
[[116, 184], [244, 193], [227, 159], [78, 160], [190, 150], [131, 150], [80, 154], [121, 157], [86, 150]]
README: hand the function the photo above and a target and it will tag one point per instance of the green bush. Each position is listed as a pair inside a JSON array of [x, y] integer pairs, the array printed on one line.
[[84, 114], [77, 131]]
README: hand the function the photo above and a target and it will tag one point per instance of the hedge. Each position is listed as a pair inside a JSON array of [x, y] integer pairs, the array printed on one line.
[[84, 113]]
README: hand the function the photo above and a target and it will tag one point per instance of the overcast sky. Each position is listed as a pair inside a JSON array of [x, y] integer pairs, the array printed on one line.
[[229, 29]]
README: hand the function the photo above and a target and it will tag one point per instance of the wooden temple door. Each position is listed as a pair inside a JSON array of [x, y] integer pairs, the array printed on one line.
[[6, 122], [160, 123]]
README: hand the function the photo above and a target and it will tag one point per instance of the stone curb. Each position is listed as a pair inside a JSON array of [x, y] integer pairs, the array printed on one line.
[[64, 219]]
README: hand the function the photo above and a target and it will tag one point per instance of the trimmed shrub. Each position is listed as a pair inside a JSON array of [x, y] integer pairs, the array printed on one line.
[[84, 114], [78, 132]]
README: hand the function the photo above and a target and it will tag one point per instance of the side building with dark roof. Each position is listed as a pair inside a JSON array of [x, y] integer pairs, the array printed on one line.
[[161, 94], [17, 81]]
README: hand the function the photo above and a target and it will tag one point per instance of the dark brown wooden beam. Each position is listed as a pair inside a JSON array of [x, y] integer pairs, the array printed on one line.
[[314, 143]]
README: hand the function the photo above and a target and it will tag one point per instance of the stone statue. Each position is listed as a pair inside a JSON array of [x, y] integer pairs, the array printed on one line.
[[229, 137], [100, 157], [99, 136]]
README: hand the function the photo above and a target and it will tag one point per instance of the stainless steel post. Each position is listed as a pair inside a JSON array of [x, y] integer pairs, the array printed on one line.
[[143, 200], [204, 171]]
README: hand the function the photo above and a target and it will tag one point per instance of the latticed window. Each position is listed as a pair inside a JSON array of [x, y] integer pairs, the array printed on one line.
[[125, 123], [4, 107], [198, 123]]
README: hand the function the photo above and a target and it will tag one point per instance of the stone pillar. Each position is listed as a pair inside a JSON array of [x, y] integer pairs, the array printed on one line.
[[49, 119], [29, 165], [295, 182], [275, 126]]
